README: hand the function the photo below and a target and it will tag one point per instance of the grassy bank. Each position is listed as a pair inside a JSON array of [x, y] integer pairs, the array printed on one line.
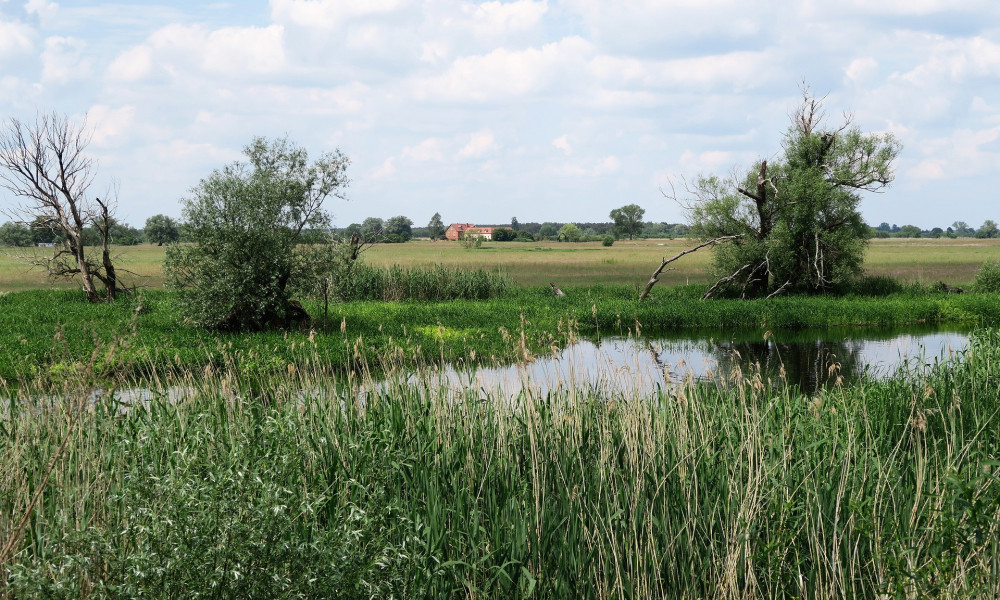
[[585, 264], [51, 334], [237, 486]]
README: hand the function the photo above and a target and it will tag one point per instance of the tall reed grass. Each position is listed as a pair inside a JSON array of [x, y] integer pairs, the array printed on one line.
[[231, 484]]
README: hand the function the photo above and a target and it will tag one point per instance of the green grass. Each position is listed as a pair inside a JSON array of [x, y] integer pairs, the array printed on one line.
[[955, 262], [45, 334], [240, 486]]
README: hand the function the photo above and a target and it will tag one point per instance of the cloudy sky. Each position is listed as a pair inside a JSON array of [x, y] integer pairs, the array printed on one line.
[[542, 110]]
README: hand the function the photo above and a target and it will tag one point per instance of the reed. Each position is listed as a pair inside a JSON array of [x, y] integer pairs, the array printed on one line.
[[234, 483]]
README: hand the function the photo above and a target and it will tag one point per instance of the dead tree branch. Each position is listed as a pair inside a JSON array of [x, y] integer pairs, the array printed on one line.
[[656, 274], [724, 281]]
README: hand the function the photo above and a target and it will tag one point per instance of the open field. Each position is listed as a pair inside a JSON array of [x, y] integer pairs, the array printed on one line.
[[626, 263]]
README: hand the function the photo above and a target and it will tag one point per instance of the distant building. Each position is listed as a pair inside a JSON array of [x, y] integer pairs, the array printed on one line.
[[455, 230], [46, 245], [484, 232]]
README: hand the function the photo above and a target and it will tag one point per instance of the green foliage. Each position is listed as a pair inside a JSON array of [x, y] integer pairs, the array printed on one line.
[[628, 220], [504, 234], [161, 229], [988, 278], [15, 234], [569, 233], [372, 228], [398, 229], [246, 221], [436, 228], [988, 229], [796, 221], [909, 231], [607, 240]]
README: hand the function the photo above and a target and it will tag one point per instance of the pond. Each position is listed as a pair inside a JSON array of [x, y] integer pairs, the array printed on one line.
[[808, 359]]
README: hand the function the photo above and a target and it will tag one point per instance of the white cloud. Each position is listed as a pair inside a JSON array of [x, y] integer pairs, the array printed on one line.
[[63, 60], [386, 169], [110, 125], [189, 51], [504, 73], [595, 168], [480, 144], [16, 39], [43, 8], [862, 70], [431, 149], [329, 14], [133, 64], [494, 19], [562, 142]]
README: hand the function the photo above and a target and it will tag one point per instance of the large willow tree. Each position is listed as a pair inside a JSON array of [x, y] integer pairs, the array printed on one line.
[[246, 222], [794, 224]]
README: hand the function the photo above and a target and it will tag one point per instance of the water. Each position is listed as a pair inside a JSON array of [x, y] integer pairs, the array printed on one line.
[[808, 359]]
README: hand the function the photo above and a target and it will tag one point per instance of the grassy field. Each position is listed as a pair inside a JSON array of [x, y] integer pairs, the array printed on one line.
[[626, 263], [226, 484]]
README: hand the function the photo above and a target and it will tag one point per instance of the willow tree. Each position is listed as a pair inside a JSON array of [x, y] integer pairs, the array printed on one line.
[[246, 222], [794, 223]]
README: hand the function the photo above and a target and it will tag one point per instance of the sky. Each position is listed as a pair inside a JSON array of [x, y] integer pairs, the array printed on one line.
[[543, 110]]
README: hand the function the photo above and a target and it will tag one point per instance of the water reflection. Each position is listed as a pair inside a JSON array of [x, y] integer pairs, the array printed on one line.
[[806, 359]]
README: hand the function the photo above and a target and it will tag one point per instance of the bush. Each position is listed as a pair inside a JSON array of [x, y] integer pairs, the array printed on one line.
[[607, 240], [988, 278]]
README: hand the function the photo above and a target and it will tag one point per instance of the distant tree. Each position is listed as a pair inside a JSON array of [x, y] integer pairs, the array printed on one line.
[[936, 232], [569, 233], [548, 230], [628, 220], [988, 229], [962, 229], [503, 234], [161, 229], [883, 226], [608, 240], [372, 227], [514, 224], [436, 228], [246, 222], [909, 231], [398, 229], [350, 230], [45, 164], [15, 234]]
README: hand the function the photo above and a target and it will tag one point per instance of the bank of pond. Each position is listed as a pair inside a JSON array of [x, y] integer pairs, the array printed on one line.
[[49, 335]]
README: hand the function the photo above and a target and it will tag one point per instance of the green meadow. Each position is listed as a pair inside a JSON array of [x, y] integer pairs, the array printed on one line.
[[954, 261]]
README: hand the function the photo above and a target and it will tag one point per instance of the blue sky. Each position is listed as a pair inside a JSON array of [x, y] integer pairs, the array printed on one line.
[[544, 110]]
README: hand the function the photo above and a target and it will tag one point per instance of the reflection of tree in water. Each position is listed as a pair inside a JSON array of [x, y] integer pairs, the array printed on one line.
[[808, 365]]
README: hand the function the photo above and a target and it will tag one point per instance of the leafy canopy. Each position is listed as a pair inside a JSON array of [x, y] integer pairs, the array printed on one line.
[[246, 221], [628, 220], [795, 222]]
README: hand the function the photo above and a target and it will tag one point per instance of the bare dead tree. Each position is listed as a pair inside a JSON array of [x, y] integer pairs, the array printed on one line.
[[44, 165], [659, 271]]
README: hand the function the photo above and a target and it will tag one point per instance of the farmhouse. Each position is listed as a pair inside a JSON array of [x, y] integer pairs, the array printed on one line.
[[484, 232], [455, 230]]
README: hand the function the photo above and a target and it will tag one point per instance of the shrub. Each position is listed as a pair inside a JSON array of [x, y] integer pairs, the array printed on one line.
[[988, 278], [607, 240]]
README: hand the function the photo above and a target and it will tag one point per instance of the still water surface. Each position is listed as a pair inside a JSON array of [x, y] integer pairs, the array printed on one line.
[[810, 359]]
